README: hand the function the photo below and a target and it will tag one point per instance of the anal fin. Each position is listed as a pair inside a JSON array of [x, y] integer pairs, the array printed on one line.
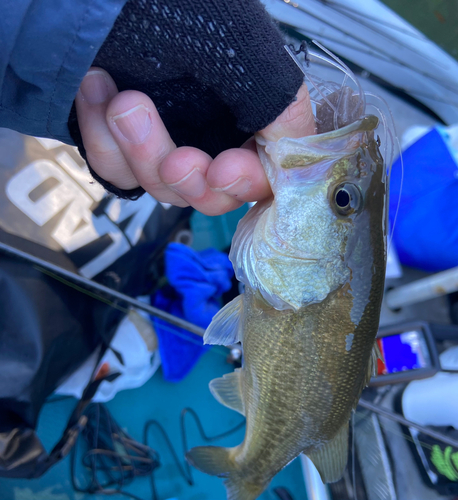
[[228, 390], [331, 459], [225, 327]]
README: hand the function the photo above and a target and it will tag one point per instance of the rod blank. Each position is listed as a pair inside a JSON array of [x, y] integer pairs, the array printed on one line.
[[384, 412], [102, 289]]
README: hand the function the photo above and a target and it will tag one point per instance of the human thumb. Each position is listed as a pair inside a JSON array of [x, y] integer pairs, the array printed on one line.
[[296, 121]]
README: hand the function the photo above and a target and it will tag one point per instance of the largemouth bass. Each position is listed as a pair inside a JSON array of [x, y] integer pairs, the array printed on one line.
[[313, 263]]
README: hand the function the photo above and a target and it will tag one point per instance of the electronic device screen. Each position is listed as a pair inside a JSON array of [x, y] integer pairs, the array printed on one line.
[[408, 351], [402, 352]]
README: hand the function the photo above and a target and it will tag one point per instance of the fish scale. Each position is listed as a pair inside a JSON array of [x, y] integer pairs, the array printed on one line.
[[313, 270]]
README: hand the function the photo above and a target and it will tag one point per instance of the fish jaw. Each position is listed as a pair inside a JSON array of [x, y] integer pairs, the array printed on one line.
[[295, 249]]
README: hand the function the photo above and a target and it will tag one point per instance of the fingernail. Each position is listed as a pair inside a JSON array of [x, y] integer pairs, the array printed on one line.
[[135, 124], [193, 184], [237, 188], [94, 87]]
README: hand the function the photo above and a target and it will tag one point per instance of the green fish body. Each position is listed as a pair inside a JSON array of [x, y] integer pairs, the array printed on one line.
[[313, 263]]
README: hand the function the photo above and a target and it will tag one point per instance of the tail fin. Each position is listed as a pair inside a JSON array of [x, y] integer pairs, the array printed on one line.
[[241, 490], [218, 461]]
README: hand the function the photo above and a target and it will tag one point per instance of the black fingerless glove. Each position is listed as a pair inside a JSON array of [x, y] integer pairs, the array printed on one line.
[[216, 70]]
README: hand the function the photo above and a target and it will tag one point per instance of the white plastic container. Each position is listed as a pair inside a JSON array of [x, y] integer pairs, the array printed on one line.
[[434, 401]]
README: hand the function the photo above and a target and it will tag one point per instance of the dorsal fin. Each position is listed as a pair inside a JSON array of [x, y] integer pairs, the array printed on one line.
[[225, 328]]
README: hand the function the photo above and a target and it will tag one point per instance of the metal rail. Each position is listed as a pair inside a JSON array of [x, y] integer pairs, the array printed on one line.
[[384, 412], [423, 289]]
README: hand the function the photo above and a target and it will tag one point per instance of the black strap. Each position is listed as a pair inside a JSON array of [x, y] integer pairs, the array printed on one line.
[[76, 422]]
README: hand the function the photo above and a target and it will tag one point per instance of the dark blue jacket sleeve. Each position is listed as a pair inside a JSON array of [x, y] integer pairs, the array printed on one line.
[[47, 46]]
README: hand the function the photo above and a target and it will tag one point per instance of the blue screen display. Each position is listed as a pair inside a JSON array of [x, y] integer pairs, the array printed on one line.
[[405, 351]]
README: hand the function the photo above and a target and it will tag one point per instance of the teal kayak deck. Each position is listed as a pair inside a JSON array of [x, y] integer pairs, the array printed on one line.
[[162, 401]]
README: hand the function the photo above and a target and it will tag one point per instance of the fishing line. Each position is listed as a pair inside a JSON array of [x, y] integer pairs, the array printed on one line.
[[342, 67], [388, 125], [164, 325], [74, 278], [185, 469], [353, 457], [339, 101], [82, 290], [450, 87], [81, 284], [390, 415], [400, 194], [322, 36], [309, 78], [110, 453], [319, 83], [379, 32], [337, 6], [345, 69], [113, 459], [390, 87], [362, 416], [387, 121]]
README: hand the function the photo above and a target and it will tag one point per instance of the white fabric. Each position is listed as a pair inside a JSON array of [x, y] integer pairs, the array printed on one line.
[[139, 363]]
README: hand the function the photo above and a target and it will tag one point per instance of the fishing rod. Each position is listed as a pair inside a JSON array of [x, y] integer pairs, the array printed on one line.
[[170, 318], [101, 289], [451, 86], [340, 7], [391, 415]]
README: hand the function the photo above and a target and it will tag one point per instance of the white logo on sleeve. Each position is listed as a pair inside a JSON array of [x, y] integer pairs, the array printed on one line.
[[43, 190]]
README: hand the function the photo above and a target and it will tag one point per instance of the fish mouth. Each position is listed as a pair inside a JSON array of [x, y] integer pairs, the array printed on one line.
[[294, 154]]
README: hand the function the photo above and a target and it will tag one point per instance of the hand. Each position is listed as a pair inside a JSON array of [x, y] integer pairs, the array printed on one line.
[[128, 145]]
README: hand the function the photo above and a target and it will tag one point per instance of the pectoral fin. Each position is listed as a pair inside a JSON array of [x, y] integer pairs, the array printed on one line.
[[228, 391], [225, 328], [331, 459]]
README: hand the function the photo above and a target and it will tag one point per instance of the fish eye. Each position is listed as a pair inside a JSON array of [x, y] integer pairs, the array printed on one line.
[[347, 199]]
